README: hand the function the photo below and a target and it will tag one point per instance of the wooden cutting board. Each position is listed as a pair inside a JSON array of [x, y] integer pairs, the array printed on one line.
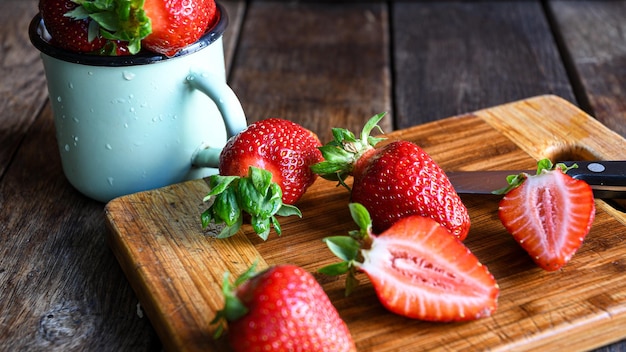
[[176, 268]]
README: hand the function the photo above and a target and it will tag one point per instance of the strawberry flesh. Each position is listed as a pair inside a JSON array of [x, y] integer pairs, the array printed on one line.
[[419, 270], [549, 215]]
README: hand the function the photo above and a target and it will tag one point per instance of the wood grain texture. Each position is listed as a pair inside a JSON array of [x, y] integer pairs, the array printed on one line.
[[22, 92], [313, 63], [594, 40], [448, 56], [61, 287], [235, 9], [579, 307]]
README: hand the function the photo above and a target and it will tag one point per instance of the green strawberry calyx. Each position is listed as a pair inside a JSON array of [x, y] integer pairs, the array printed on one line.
[[254, 194], [348, 248], [123, 20], [345, 149], [233, 309], [543, 165]]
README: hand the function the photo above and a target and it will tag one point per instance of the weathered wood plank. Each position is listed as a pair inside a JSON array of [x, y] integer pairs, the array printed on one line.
[[23, 91], [593, 35], [235, 10], [319, 64], [61, 287], [454, 57]]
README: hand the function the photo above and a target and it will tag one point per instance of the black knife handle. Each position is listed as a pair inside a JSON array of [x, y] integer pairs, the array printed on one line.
[[606, 178]]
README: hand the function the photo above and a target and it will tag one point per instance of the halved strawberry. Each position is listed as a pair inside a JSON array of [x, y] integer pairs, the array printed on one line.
[[396, 180], [281, 309], [418, 269], [264, 170], [549, 213]]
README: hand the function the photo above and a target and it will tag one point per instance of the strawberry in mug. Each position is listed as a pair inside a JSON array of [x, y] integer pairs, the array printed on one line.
[[118, 27]]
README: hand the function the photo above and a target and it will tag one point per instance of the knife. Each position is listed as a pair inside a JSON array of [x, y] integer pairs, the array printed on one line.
[[606, 178]]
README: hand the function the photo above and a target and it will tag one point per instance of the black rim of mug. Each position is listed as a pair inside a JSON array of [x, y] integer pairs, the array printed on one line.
[[142, 58]]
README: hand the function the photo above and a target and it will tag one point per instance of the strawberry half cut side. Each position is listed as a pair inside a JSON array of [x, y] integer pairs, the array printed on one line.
[[549, 214], [418, 269]]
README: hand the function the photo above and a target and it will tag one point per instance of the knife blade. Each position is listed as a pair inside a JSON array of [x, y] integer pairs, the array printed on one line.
[[606, 178]]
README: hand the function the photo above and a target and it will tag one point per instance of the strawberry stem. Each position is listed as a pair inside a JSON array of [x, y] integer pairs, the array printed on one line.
[[233, 307], [341, 154], [515, 181], [123, 20], [348, 248]]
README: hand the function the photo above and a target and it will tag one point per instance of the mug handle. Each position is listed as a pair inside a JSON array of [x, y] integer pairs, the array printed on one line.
[[230, 108]]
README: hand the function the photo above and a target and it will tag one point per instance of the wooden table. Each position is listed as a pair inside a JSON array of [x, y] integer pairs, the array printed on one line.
[[320, 64]]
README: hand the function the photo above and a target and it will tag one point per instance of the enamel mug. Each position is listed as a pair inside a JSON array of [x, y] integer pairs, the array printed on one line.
[[132, 123]]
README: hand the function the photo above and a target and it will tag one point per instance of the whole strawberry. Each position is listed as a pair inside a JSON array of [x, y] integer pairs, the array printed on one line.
[[549, 214], [80, 34], [161, 26], [418, 269], [393, 181], [264, 170], [178, 23], [281, 309]]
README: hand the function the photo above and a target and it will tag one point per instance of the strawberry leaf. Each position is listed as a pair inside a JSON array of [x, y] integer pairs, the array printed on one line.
[[362, 218], [289, 210], [123, 20], [369, 126], [344, 247], [344, 150], [335, 269], [255, 194], [233, 307], [348, 248]]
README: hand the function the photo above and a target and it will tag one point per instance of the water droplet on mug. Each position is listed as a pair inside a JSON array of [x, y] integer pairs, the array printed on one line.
[[110, 180], [128, 75], [191, 78], [144, 105], [90, 73], [67, 148], [59, 99], [71, 85], [131, 96], [108, 146], [132, 109], [125, 125], [76, 119]]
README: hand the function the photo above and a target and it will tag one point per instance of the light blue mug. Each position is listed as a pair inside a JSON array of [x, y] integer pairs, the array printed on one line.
[[132, 123]]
